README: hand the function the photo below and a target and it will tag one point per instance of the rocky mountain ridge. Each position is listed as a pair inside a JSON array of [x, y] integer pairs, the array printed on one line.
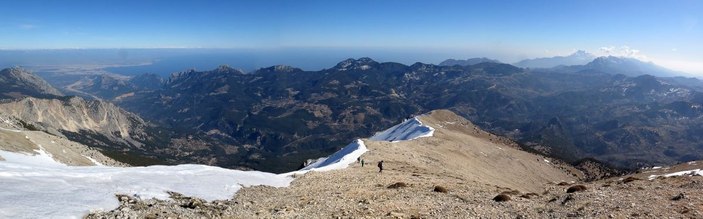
[[281, 116], [16, 82], [94, 123], [471, 61], [276, 118]]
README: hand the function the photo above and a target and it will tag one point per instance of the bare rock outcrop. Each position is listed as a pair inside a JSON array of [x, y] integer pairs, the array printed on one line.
[[76, 114]]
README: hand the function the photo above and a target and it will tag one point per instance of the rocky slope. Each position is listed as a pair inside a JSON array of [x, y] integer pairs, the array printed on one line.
[[76, 114], [115, 132], [16, 82], [14, 137], [460, 172], [459, 157], [102, 125]]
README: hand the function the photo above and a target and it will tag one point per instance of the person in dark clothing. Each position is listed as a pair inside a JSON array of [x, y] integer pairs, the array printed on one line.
[[380, 166]]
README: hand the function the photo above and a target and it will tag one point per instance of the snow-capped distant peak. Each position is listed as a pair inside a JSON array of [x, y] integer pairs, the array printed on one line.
[[408, 130]]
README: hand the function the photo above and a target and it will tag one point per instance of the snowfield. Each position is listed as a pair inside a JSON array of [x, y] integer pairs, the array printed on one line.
[[37, 186], [40, 187], [410, 129]]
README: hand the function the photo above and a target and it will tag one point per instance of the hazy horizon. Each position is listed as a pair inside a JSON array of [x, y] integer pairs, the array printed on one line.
[[666, 33]]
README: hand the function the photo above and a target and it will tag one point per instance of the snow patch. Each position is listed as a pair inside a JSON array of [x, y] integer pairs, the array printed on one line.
[[694, 172], [94, 161], [339, 160], [37, 186], [408, 130]]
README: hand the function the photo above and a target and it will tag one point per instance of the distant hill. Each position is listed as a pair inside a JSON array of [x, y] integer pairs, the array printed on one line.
[[628, 66], [467, 62], [577, 58]]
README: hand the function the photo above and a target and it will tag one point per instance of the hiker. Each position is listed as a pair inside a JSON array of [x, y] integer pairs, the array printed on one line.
[[362, 162], [380, 166]]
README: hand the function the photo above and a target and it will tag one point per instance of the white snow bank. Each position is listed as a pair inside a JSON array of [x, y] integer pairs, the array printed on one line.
[[339, 160], [38, 187], [409, 130], [694, 172], [95, 162]]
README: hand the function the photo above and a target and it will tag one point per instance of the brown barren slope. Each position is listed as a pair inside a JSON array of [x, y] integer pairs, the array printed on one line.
[[471, 167]]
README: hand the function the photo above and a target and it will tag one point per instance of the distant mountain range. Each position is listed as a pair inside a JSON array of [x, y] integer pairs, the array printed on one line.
[[471, 61], [629, 67], [584, 62], [577, 58], [276, 118]]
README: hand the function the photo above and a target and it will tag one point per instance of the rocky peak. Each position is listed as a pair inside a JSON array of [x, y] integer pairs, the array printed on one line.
[[226, 69], [364, 63], [279, 69], [422, 67]]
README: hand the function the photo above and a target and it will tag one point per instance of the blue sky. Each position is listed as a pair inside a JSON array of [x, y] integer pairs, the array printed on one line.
[[669, 33]]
